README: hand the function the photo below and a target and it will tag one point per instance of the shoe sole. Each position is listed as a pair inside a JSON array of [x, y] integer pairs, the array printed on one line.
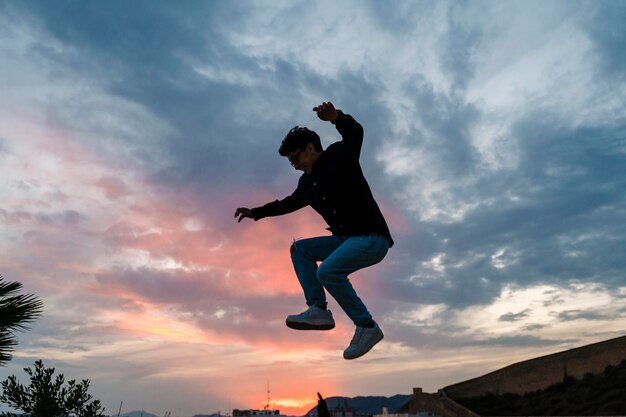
[[382, 336], [307, 326]]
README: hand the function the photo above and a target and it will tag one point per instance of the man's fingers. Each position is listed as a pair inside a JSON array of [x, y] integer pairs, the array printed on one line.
[[324, 106], [242, 213]]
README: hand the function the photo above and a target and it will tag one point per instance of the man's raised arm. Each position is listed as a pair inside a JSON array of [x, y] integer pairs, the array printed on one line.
[[350, 130]]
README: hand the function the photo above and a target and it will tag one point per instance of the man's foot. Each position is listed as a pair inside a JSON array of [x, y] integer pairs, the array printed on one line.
[[314, 318], [364, 339]]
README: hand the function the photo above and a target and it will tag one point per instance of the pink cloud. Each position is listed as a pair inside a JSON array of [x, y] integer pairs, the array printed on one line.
[[138, 261], [113, 187], [257, 252]]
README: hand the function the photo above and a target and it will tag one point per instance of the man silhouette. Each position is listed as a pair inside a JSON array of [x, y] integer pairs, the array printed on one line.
[[333, 184]]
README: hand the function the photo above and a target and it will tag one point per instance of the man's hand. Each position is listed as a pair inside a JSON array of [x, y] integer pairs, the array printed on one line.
[[243, 212], [326, 111]]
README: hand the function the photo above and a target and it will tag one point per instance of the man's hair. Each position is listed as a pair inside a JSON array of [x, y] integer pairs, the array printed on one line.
[[298, 138]]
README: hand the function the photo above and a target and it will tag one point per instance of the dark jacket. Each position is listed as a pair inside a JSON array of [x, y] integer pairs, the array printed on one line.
[[336, 188]]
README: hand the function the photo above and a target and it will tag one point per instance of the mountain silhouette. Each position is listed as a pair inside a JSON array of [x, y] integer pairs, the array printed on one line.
[[365, 405]]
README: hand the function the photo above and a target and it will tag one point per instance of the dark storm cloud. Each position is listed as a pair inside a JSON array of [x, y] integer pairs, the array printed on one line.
[[565, 224], [514, 316], [154, 56], [568, 184], [522, 341], [132, 37], [391, 19], [571, 315], [147, 55], [448, 335], [558, 215], [446, 119], [461, 39], [609, 36], [534, 326]]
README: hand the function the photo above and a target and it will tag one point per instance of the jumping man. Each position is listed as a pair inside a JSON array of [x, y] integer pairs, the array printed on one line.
[[334, 185]]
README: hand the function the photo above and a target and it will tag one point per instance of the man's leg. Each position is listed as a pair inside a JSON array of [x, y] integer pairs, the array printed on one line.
[[354, 253], [305, 254]]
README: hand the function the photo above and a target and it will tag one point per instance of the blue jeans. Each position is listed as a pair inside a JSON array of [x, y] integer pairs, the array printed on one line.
[[339, 256]]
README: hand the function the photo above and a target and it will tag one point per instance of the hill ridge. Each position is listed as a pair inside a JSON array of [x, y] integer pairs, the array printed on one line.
[[543, 371], [372, 404]]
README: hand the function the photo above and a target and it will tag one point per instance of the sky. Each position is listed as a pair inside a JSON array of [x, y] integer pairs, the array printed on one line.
[[495, 144]]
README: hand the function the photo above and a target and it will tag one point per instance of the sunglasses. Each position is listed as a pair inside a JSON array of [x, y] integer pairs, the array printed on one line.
[[293, 159]]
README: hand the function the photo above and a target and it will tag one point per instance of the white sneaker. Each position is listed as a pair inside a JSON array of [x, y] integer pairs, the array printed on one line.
[[314, 318], [364, 339]]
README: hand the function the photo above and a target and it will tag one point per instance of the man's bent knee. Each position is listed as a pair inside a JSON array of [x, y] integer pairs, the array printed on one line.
[[326, 275]]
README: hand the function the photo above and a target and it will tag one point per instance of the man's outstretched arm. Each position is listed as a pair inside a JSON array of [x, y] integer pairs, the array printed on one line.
[[289, 204]]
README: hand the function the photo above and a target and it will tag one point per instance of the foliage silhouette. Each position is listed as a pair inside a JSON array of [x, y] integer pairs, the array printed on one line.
[[16, 311], [49, 396]]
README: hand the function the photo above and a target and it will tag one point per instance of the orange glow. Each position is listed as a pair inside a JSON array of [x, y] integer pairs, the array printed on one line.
[[131, 226], [259, 250], [294, 403], [300, 395], [294, 406], [151, 322]]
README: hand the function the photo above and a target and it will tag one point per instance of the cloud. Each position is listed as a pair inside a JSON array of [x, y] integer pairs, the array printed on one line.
[[495, 144], [523, 341], [569, 315], [4, 146], [514, 316], [608, 37]]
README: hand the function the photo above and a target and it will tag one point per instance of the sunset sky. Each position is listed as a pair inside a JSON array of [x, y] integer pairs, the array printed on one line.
[[130, 131]]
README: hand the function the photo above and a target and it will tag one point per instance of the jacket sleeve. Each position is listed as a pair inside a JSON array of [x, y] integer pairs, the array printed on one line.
[[351, 134], [289, 204]]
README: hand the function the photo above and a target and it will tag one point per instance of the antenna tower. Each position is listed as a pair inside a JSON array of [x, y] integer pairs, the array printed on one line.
[[267, 405]]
